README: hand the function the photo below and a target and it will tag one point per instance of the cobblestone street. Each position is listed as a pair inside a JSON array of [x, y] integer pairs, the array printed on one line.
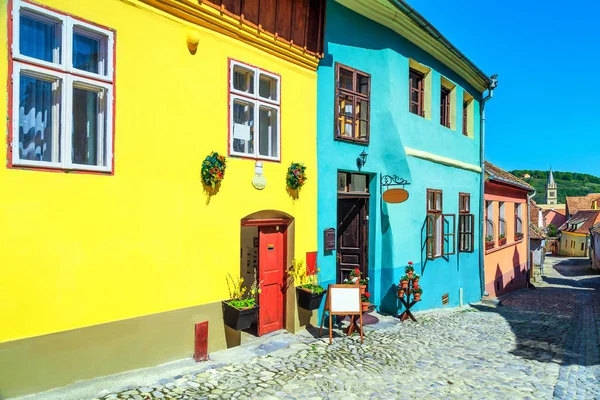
[[540, 343]]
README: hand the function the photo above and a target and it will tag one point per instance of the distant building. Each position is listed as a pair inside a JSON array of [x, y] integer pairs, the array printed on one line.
[[578, 203], [537, 237], [595, 246], [554, 216], [575, 233], [551, 189]]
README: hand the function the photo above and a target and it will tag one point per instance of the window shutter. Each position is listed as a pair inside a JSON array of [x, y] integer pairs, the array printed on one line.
[[449, 234]]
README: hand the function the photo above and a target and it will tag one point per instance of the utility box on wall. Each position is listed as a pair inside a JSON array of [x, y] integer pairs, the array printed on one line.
[[329, 239]]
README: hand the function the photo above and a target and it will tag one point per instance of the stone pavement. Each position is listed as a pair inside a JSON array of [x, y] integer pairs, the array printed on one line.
[[540, 343]]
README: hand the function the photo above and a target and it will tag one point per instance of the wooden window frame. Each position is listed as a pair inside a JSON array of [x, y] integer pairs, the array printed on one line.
[[434, 193], [420, 103], [465, 129], [432, 216], [348, 186], [466, 238], [445, 99], [354, 95], [67, 77], [464, 203]]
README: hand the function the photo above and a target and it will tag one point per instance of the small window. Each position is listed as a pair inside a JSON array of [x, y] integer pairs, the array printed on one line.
[[501, 221], [445, 107], [62, 92], [464, 203], [254, 117], [416, 84], [518, 221], [489, 221], [434, 201], [465, 118], [352, 183], [466, 224], [581, 246], [352, 108]]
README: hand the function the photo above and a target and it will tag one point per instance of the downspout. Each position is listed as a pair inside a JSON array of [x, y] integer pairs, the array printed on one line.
[[491, 87], [529, 197]]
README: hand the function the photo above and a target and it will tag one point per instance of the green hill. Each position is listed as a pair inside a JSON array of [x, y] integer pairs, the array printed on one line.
[[569, 183]]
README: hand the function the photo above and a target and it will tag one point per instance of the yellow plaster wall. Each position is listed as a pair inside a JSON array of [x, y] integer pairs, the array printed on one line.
[[570, 244], [79, 249]]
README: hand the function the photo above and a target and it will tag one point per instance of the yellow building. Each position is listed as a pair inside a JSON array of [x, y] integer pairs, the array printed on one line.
[[112, 248], [575, 233]]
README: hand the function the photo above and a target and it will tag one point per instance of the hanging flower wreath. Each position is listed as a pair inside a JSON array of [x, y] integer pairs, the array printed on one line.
[[213, 169], [296, 176]]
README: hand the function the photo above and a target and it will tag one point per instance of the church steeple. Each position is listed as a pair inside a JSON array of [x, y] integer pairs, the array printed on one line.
[[551, 189]]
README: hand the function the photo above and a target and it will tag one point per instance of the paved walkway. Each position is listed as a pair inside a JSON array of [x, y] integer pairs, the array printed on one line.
[[541, 343]]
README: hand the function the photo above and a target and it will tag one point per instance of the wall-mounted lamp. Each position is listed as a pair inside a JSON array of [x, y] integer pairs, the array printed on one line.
[[259, 181], [361, 160], [192, 40]]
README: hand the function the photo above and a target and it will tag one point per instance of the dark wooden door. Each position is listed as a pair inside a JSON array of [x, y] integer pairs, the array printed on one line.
[[271, 255], [353, 237]]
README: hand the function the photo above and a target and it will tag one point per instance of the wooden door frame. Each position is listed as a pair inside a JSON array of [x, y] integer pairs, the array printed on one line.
[[284, 225], [367, 198]]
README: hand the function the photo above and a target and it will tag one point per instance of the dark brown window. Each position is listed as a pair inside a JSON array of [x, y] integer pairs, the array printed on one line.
[[434, 201], [352, 104], [464, 203], [445, 107], [416, 84], [466, 224], [465, 118]]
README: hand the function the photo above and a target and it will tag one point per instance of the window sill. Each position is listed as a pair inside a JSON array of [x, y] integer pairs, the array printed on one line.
[[275, 160], [495, 249], [353, 141], [26, 167]]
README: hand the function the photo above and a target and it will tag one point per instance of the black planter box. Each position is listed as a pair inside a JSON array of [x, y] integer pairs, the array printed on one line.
[[238, 319], [309, 301]]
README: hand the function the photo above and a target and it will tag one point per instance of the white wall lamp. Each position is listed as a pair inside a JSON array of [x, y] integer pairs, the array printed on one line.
[[259, 181]]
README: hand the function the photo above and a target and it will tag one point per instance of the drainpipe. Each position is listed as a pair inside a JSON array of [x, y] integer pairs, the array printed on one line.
[[492, 85], [530, 196]]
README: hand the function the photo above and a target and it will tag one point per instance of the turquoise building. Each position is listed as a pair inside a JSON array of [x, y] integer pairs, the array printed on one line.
[[398, 108]]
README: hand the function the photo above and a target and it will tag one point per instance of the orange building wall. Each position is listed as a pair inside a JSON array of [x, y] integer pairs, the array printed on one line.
[[506, 266]]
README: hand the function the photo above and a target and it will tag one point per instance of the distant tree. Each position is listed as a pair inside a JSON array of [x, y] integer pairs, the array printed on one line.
[[552, 230]]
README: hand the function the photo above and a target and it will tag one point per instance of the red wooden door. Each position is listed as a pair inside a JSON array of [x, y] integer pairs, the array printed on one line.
[[271, 255]]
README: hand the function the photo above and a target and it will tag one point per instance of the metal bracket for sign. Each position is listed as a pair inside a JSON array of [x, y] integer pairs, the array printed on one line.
[[392, 180]]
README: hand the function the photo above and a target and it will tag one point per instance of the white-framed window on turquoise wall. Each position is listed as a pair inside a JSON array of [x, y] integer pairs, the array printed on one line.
[[62, 91], [254, 112]]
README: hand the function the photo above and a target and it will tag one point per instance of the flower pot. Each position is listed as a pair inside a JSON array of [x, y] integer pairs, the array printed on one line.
[[410, 274], [238, 319], [403, 284], [401, 292], [489, 245], [365, 305], [501, 242], [518, 237], [363, 289], [308, 300], [416, 284], [417, 296]]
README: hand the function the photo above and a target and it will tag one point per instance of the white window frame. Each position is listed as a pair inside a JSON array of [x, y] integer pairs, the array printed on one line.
[[257, 102], [69, 77]]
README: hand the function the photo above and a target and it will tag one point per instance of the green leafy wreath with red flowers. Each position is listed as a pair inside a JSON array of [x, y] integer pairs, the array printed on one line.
[[296, 176], [213, 169]]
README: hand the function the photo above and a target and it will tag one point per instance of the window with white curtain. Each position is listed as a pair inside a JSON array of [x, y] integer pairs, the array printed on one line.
[[254, 101], [62, 91]]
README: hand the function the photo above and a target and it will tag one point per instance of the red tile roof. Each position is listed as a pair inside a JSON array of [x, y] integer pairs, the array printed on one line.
[[536, 233], [498, 174], [577, 203], [581, 222]]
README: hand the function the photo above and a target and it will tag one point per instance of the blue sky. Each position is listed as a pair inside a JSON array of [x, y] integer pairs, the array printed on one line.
[[546, 109]]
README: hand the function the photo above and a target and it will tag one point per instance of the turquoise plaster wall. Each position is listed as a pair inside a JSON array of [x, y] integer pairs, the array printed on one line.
[[395, 229]]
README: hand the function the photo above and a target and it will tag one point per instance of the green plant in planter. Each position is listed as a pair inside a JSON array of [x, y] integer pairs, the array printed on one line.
[[296, 176], [316, 289], [239, 296], [404, 279], [365, 297], [213, 169], [501, 236], [489, 238], [416, 277], [418, 291], [409, 268], [298, 276]]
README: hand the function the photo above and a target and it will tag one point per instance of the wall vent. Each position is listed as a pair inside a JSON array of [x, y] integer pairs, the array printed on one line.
[[445, 299]]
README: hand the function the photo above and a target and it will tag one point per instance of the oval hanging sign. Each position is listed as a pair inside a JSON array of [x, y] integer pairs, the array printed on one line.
[[395, 195]]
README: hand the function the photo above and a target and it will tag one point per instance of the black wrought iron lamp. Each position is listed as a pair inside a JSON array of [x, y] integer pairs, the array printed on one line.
[[361, 160]]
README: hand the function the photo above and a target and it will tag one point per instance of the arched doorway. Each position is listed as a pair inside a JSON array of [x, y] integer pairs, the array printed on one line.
[[266, 248]]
